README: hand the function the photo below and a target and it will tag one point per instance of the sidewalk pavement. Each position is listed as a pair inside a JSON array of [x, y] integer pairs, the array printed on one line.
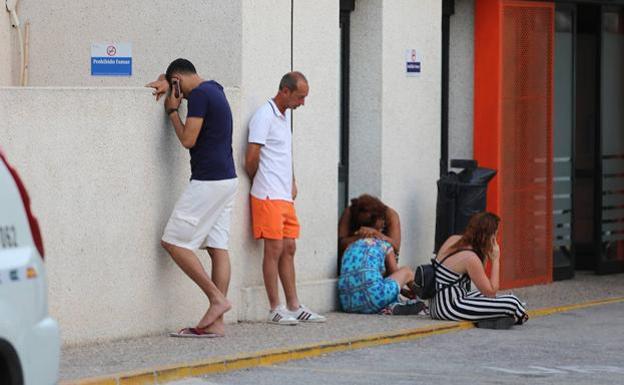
[[157, 359]]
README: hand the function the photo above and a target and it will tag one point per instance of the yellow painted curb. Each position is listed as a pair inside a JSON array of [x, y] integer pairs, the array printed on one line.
[[561, 309], [276, 356]]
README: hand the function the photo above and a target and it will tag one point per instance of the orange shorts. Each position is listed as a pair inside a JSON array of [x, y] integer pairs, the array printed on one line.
[[273, 219]]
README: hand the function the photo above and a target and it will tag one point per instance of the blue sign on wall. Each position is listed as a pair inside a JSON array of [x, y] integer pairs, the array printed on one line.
[[412, 63], [111, 59]]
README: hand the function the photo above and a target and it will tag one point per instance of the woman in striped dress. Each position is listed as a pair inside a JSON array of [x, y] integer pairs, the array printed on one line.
[[462, 259]]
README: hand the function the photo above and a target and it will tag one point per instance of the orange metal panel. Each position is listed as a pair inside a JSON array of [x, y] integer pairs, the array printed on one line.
[[513, 130], [487, 82]]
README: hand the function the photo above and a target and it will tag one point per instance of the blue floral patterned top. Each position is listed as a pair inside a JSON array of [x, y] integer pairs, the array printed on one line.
[[361, 286]]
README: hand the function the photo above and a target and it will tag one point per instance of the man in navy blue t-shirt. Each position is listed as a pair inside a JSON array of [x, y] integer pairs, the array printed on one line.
[[201, 217]]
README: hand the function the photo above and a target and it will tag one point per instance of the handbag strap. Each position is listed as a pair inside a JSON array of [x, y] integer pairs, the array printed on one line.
[[453, 253]]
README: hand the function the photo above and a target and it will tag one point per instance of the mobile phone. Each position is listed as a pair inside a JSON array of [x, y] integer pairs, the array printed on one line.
[[176, 88]]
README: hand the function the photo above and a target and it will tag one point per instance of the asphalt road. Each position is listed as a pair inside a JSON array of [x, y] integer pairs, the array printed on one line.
[[584, 346]]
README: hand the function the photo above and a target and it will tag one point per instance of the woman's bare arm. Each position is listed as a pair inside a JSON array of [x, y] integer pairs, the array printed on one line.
[[474, 267], [393, 226], [391, 263]]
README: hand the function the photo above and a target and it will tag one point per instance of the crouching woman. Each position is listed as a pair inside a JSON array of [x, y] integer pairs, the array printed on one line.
[[370, 278], [462, 259]]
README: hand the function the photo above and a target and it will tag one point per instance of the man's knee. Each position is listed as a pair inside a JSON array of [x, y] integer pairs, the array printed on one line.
[[290, 247], [273, 248], [216, 253]]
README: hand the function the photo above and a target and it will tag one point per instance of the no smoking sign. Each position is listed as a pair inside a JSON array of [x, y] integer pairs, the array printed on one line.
[[111, 59]]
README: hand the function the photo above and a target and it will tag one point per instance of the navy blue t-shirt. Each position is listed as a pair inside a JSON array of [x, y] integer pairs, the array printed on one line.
[[211, 157]]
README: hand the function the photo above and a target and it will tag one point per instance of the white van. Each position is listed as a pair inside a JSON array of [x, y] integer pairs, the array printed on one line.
[[29, 337]]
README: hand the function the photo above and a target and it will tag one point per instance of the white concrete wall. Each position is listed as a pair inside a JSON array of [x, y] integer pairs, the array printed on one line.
[[104, 167], [395, 119], [205, 32], [366, 98], [316, 52], [411, 122], [103, 181], [266, 56], [461, 81]]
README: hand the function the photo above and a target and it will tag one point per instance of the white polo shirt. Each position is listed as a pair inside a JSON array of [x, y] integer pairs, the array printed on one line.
[[271, 129]]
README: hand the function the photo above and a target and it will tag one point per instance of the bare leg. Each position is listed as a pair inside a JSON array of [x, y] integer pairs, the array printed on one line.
[[287, 273], [190, 264], [403, 276], [220, 268], [221, 277], [273, 249]]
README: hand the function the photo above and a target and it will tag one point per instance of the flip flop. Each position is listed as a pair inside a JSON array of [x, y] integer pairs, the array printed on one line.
[[194, 333]]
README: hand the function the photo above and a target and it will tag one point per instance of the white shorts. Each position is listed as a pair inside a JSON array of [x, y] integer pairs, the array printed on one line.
[[201, 217]]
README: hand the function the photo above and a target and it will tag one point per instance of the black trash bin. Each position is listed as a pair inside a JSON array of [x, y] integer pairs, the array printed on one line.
[[460, 196]]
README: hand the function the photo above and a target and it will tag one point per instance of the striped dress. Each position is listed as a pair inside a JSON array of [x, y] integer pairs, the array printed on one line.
[[454, 301]]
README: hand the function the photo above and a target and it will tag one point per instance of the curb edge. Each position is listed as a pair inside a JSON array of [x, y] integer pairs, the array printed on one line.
[[224, 364]]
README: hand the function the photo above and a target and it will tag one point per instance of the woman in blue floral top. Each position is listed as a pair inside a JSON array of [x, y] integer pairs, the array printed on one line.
[[370, 278]]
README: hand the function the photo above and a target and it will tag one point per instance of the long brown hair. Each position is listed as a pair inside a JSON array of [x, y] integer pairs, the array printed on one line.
[[366, 210], [478, 234]]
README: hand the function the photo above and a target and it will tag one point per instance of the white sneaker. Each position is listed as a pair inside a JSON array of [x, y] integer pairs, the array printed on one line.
[[304, 314], [281, 316]]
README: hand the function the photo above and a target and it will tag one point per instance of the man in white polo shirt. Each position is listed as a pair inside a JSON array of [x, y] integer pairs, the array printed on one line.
[[269, 163]]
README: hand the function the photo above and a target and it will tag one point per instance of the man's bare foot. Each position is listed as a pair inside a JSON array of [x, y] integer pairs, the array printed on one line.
[[217, 327], [215, 311]]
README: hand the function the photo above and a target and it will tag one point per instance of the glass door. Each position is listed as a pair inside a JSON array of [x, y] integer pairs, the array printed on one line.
[[563, 129], [611, 258], [586, 200]]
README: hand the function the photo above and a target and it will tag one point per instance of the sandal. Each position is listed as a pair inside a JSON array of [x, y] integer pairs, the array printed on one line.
[[194, 333], [412, 307], [408, 293]]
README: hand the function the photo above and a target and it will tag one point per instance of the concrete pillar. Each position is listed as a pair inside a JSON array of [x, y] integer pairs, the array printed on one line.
[[395, 119], [366, 94], [316, 38], [461, 80], [266, 56]]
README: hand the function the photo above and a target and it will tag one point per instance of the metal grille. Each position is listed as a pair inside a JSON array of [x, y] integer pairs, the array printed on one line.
[[526, 143]]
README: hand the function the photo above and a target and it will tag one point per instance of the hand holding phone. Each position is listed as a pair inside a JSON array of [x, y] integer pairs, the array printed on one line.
[[172, 103], [176, 88]]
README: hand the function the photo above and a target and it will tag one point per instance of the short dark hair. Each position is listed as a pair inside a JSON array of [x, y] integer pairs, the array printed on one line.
[[179, 66], [291, 79]]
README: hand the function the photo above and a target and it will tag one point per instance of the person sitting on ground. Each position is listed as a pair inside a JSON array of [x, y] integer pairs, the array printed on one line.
[[370, 278], [349, 231], [461, 259]]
